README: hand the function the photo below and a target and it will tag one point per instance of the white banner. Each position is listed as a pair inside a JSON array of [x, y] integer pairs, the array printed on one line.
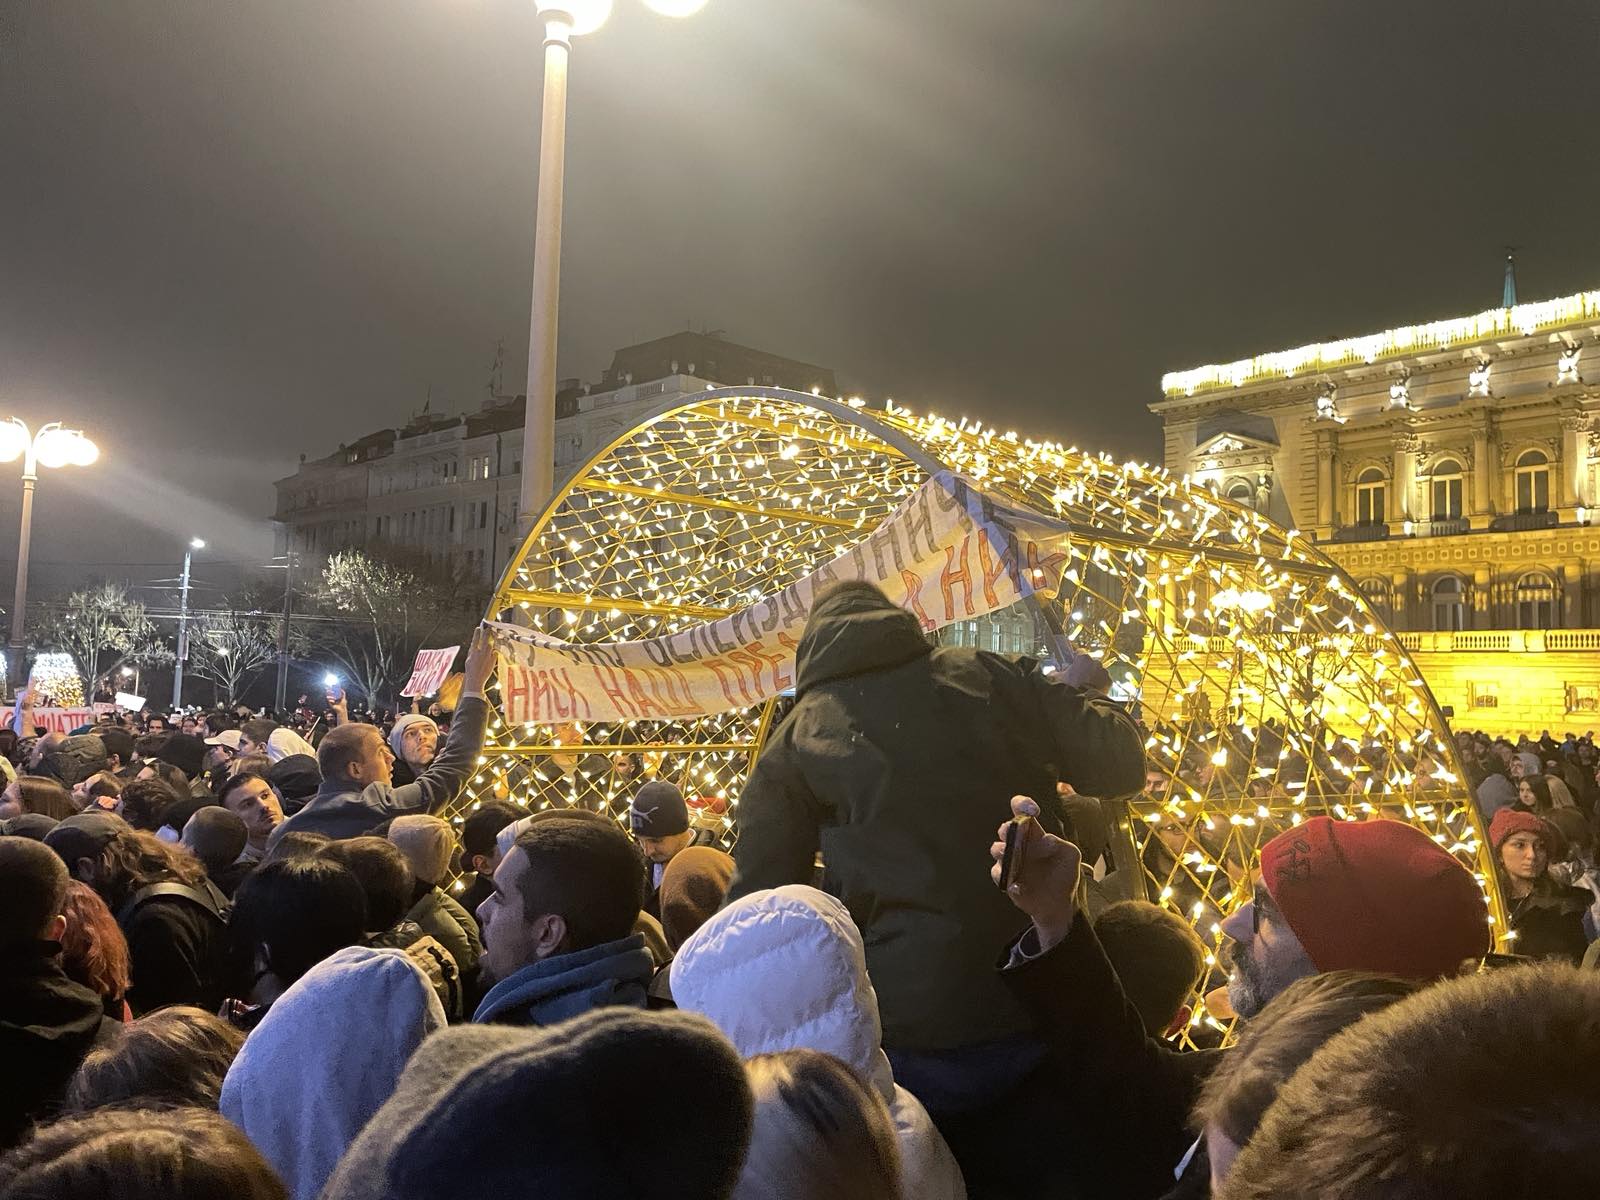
[[430, 670], [55, 720], [948, 553]]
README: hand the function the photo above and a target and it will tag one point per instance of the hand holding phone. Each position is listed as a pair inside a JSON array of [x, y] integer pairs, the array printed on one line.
[[1037, 871], [1016, 840]]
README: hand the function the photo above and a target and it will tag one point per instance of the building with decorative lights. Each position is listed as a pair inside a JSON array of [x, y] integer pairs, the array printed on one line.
[[447, 486], [1452, 469]]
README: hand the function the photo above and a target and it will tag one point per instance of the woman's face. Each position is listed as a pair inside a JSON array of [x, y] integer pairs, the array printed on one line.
[[1523, 856], [11, 801], [1525, 794]]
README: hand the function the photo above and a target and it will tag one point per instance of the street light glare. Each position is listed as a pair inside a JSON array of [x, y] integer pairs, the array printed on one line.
[[14, 440], [62, 448], [675, 8], [196, 544], [587, 15], [85, 452]]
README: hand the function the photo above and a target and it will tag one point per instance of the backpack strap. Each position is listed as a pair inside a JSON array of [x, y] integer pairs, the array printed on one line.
[[207, 898]]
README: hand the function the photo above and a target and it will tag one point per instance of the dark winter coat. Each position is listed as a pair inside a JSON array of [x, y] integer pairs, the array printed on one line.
[[341, 811], [1127, 1096], [1549, 923], [47, 1024], [899, 762], [179, 953]]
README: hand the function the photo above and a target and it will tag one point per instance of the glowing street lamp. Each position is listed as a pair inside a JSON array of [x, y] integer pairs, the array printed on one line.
[[53, 446], [563, 20]]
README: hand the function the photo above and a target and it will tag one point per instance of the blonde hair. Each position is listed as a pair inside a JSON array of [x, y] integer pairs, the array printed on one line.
[[819, 1133], [428, 844]]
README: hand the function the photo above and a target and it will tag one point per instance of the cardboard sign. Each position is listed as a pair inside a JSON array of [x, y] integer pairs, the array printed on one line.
[[948, 553], [130, 702], [430, 670]]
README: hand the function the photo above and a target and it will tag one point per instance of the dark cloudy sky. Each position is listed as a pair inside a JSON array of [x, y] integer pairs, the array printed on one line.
[[235, 230]]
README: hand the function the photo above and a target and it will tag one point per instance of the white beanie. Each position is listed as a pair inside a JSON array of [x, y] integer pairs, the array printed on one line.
[[398, 733]]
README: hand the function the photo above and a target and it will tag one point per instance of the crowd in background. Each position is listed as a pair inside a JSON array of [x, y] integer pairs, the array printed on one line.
[[243, 959]]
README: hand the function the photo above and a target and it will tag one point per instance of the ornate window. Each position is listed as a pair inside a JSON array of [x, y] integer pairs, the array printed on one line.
[[1370, 492], [1536, 601], [1449, 605], [1445, 486], [1376, 590], [1533, 482], [1242, 494]]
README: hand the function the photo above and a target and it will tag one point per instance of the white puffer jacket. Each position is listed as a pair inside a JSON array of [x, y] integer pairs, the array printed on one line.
[[785, 970]]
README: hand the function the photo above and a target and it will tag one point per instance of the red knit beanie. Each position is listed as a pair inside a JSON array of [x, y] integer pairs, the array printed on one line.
[[1510, 820], [1376, 896]]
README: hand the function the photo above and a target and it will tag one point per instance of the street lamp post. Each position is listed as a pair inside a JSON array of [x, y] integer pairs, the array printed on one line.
[[53, 446], [563, 20], [183, 625]]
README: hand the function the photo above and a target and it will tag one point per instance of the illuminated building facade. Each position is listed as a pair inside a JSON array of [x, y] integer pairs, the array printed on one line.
[[1452, 470]]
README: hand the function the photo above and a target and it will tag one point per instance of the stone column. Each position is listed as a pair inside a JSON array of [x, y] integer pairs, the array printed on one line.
[[1404, 479], [1482, 612], [1401, 617], [1482, 505], [1570, 612], [1574, 462], [1327, 455]]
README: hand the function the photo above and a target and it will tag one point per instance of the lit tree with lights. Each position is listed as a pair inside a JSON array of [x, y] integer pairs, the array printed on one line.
[[103, 629]]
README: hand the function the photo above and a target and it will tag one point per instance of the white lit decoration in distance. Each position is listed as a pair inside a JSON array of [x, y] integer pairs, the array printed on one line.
[[1478, 378], [55, 680], [1270, 691], [1567, 364], [1523, 320]]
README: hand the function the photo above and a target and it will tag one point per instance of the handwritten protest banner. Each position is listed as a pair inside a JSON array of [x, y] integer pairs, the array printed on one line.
[[429, 671], [56, 720], [948, 553]]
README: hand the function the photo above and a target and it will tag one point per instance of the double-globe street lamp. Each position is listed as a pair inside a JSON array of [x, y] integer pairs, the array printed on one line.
[[563, 20], [53, 446]]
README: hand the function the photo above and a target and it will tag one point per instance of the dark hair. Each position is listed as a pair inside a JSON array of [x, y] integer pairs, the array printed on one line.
[[296, 843], [104, 783], [296, 912], [174, 1056], [1285, 1034], [33, 889], [1479, 1086], [587, 872], [217, 722], [1540, 787], [483, 823], [215, 836], [384, 874], [1156, 955], [248, 764], [342, 746], [136, 858], [50, 797], [148, 745], [94, 950], [145, 802], [187, 1154], [259, 729], [238, 781]]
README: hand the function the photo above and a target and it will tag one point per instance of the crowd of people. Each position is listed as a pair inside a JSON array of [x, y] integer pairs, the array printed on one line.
[[234, 963]]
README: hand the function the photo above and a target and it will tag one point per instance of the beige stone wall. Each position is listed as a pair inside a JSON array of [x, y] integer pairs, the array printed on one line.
[[1533, 687]]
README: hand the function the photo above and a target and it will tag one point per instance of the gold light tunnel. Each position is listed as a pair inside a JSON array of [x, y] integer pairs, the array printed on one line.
[[1269, 689]]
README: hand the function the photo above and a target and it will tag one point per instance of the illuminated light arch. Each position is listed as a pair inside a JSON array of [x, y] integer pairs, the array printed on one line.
[[1270, 688]]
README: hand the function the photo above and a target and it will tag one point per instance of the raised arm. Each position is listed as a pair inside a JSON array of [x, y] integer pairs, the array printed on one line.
[[448, 773], [1099, 749]]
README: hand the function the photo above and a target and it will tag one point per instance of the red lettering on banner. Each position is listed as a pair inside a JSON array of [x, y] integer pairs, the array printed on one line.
[[515, 685], [990, 568], [1041, 569], [913, 583], [675, 704], [639, 698], [948, 579], [772, 660], [716, 668], [575, 697], [613, 690]]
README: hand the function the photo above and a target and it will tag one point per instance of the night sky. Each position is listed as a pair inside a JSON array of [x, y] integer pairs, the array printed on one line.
[[234, 231]]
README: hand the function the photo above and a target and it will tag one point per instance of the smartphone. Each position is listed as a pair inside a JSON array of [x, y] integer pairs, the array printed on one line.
[[1016, 843]]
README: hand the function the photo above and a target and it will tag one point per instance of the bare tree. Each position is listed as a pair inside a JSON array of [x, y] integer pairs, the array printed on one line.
[[103, 628], [230, 648]]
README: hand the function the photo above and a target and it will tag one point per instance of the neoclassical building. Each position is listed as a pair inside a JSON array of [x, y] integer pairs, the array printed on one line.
[[1453, 469]]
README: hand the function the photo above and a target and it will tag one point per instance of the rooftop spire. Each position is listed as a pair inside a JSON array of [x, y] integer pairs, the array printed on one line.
[[1509, 297]]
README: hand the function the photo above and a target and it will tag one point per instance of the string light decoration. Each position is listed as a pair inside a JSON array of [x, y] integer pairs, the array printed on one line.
[[1269, 689], [55, 677]]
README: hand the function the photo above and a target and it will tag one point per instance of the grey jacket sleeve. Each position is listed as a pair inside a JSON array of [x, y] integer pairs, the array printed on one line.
[[448, 773]]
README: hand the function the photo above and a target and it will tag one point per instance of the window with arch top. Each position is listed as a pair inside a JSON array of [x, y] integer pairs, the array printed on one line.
[[1371, 490], [1536, 601], [1445, 490], [1533, 482], [1449, 604]]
